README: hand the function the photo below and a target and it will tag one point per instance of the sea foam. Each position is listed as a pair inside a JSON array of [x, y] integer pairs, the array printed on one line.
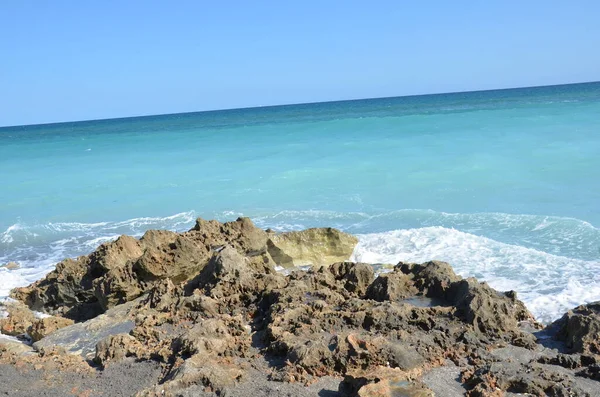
[[548, 284]]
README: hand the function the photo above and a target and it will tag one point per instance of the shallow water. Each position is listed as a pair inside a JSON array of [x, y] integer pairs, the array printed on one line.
[[501, 184]]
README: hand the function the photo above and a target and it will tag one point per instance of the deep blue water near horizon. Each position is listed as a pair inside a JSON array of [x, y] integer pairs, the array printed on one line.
[[502, 184]]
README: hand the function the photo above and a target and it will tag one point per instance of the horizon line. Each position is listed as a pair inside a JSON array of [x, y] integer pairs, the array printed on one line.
[[287, 104]]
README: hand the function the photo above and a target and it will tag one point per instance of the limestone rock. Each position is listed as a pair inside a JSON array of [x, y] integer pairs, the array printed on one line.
[[19, 319], [492, 379], [115, 348], [43, 327], [120, 271], [81, 338], [311, 247], [197, 370], [356, 276], [392, 287], [225, 336], [14, 348], [433, 278], [489, 311], [495, 314], [384, 382], [580, 329], [208, 306]]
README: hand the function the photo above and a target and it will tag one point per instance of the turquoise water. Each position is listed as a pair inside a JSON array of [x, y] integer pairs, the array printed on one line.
[[502, 184]]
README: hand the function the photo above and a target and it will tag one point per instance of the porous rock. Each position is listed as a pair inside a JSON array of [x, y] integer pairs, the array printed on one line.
[[121, 270], [18, 320], [580, 329], [43, 327], [208, 304]]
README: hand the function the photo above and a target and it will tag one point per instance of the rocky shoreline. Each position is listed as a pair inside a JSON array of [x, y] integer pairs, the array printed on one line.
[[228, 309]]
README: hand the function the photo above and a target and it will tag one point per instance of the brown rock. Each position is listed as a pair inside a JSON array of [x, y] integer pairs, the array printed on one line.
[[492, 379], [45, 326], [241, 235], [120, 271], [207, 305], [356, 276], [384, 382], [18, 321], [217, 337], [433, 278], [11, 265], [580, 329], [489, 311], [392, 287], [214, 375], [115, 348], [9, 349], [169, 255]]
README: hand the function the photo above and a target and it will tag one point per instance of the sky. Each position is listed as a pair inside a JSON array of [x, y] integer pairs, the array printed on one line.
[[82, 60]]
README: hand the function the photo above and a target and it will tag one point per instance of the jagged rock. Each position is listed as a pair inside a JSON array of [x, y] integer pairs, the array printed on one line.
[[433, 279], [392, 287], [494, 314], [225, 337], [19, 319], [208, 304], [43, 327], [580, 329], [570, 361], [492, 379], [168, 255], [356, 276], [241, 235], [81, 338], [197, 370], [489, 311], [120, 271], [70, 289], [115, 348], [311, 247], [384, 382]]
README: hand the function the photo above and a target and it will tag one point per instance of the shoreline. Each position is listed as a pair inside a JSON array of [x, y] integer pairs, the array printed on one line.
[[204, 312]]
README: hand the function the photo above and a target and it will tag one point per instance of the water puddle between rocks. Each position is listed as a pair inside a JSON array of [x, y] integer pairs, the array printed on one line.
[[423, 301]]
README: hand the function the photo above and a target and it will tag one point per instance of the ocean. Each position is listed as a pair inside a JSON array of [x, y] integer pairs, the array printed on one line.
[[504, 184]]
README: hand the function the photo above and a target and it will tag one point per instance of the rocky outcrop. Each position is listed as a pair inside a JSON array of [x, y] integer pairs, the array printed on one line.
[[210, 308], [580, 329], [120, 271], [45, 326], [18, 320], [81, 338]]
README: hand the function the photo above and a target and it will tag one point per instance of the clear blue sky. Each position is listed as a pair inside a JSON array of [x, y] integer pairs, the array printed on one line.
[[77, 60]]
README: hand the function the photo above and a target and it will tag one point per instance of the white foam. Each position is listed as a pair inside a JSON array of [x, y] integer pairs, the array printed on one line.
[[7, 234], [10, 279], [548, 284]]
